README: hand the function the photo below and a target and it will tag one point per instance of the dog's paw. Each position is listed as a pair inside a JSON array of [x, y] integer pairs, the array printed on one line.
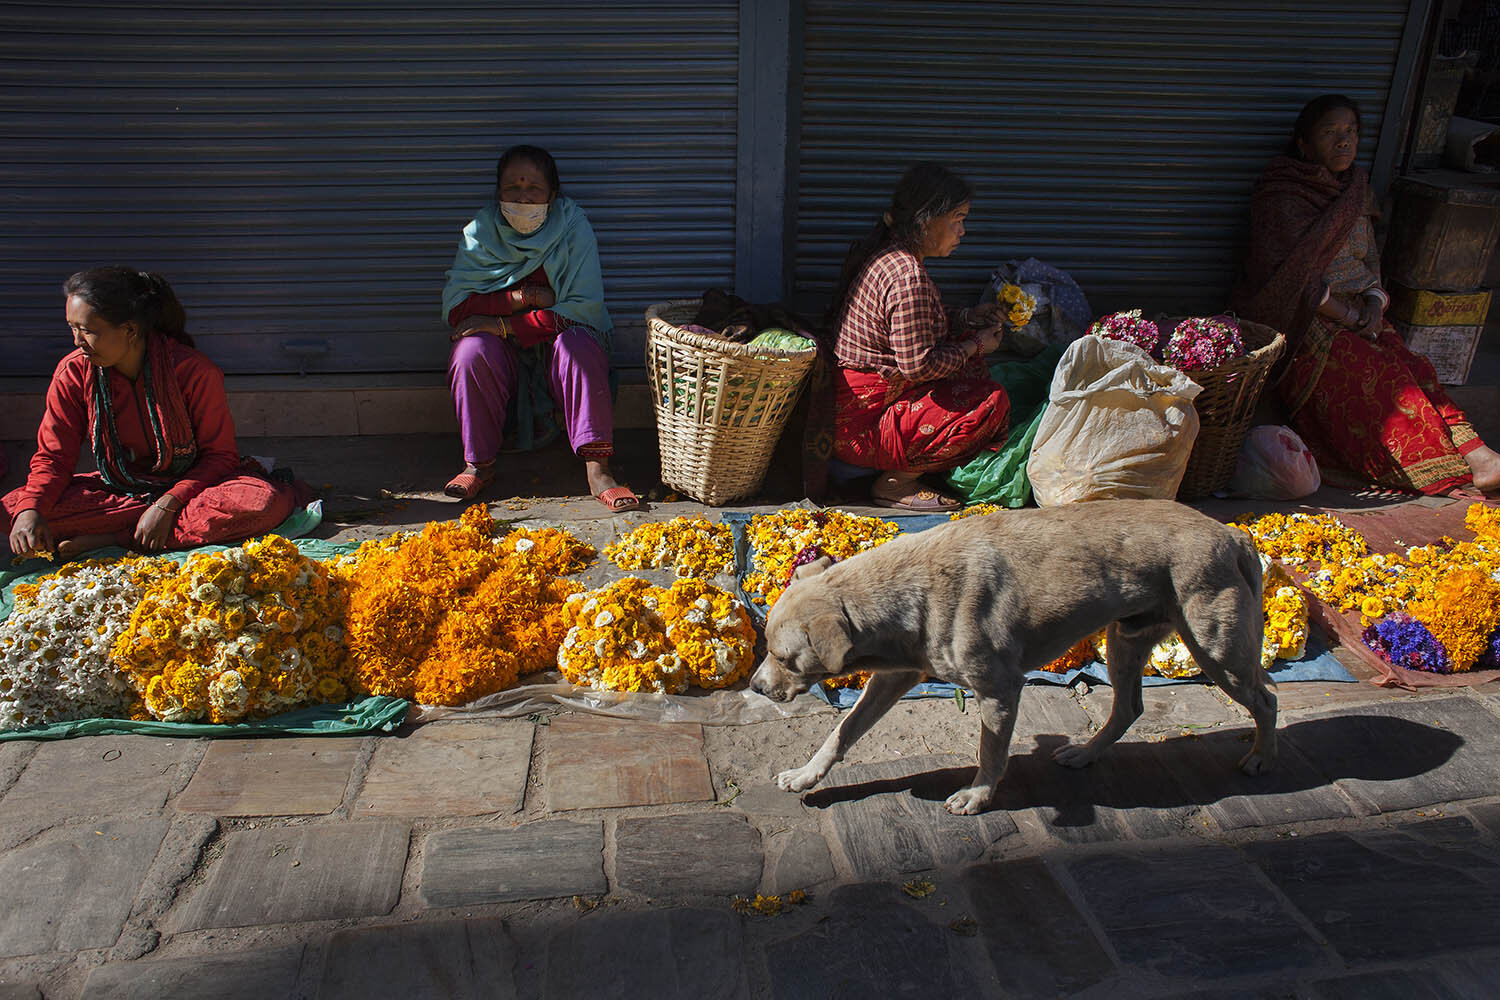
[[798, 779], [1254, 763], [1074, 755], [969, 801]]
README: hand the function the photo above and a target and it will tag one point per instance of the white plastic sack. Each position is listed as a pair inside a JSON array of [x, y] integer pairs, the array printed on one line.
[[1117, 426], [1275, 464]]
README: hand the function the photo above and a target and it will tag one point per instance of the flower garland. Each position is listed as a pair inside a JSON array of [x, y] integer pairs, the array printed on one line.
[[245, 632], [1129, 327], [1019, 305], [451, 613], [694, 546], [55, 663], [633, 636], [779, 538], [1204, 342]]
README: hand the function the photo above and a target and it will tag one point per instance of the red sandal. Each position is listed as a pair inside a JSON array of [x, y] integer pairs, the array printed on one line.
[[468, 483], [619, 499]]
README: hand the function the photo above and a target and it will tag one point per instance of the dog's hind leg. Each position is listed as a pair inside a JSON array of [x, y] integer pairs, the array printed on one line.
[[1231, 659], [1126, 651], [997, 716], [883, 690]]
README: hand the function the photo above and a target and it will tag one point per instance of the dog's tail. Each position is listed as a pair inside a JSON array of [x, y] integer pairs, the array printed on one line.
[[1247, 561]]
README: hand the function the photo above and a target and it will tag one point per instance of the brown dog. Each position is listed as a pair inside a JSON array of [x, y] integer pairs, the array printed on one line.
[[980, 601]]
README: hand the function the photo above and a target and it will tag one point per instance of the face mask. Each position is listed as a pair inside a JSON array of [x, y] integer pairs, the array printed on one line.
[[523, 218]]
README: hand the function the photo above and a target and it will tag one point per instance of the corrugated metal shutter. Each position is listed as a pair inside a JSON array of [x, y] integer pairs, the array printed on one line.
[[1118, 141], [301, 171]]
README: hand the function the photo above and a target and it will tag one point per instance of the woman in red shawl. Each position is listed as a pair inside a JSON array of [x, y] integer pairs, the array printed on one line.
[[912, 393], [1367, 405], [154, 413]]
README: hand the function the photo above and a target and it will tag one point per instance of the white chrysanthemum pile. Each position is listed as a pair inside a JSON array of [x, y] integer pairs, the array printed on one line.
[[55, 647]]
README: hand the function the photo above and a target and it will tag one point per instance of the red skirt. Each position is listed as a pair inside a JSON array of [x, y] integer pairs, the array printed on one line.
[[917, 426], [1375, 410]]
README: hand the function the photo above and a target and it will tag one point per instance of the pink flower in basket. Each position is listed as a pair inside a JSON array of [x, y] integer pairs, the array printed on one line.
[[1204, 342], [1129, 327]]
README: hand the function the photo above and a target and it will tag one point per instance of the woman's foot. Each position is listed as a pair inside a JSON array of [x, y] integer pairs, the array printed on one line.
[[611, 494], [905, 491], [70, 548], [1485, 463], [468, 483]]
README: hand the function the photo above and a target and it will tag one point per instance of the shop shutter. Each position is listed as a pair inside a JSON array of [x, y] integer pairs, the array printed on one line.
[[300, 172], [1118, 141]]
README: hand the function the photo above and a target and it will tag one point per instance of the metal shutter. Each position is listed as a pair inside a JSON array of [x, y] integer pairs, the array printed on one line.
[[300, 171], [1118, 141]]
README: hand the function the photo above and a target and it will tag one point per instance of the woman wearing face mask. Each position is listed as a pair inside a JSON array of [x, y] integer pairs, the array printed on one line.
[[153, 412], [911, 393], [525, 299], [1367, 406]]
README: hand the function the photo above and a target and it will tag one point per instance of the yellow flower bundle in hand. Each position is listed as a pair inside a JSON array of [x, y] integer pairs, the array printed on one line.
[[694, 547], [1019, 305], [246, 632]]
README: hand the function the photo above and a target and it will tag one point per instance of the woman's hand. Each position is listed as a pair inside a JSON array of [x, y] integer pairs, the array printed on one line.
[[477, 324], [154, 529], [989, 340], [1371, 319], [535, 297], [30, 536], [982, 317]]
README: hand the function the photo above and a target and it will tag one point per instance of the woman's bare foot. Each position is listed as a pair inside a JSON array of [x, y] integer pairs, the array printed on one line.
[[68, 548], [604, 488], [1485, 462]]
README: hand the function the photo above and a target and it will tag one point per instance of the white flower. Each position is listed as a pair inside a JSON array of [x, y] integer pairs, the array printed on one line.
[[637, 649], [524, 545], [695, 615], [650, 602], [590, 605], [726, 623], [601, 647], [604, 618]]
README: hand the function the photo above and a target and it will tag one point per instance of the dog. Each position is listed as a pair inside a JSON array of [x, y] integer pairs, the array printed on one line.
[[982, 600]]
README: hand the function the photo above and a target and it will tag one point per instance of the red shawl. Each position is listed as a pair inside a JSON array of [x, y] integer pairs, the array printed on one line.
[[1300, 215]]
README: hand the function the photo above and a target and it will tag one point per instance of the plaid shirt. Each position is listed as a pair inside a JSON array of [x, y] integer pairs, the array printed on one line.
[[895, 325]]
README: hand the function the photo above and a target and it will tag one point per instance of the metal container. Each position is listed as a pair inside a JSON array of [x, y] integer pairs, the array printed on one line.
[[1443, 232]]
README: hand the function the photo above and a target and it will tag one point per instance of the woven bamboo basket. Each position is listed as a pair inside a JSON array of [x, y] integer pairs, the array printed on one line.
[[1225, 407], [720, 406]]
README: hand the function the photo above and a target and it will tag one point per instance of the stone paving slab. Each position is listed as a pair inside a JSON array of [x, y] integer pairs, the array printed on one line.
[[1405, 754], [73, 887], [449, 769], [1391, 895], [872, 944], [14, 755], [296, 873], [1048, 711], [1387, 984], [1126, 793], [1207, 768], [249, 975], [677, 954], [1038, 942], [697, 854], [888, 817], [594, 762], [280, 777], [441, 960], [20, 991], [803, 861], [1191, 911], [97, 776], [1169, 708], [1488, 815], [536, 861]]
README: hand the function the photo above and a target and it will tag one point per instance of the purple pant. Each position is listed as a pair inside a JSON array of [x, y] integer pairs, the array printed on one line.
[[482, 373]]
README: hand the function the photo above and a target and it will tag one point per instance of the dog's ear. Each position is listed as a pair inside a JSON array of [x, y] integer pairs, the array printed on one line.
[[813, 568], [828, 636]]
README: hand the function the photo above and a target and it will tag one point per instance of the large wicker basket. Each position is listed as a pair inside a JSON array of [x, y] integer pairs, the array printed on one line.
[[1225, 407], [720, 406]]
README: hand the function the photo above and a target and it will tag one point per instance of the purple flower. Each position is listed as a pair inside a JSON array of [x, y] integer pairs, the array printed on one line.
[[1491, 658], [1404, 641], [1129, 327]]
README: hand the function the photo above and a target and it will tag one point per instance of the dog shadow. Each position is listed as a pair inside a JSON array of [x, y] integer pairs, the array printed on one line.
[[1182, 772]]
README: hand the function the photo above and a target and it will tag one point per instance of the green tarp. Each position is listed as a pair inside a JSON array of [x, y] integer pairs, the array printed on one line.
[[999, 477]]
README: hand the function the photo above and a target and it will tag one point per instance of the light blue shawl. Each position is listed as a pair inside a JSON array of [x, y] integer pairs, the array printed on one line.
[[492, 256]]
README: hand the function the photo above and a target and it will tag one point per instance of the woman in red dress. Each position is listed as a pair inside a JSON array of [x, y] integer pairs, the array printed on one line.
[[912, 393], [1370, 408], [153, 412]]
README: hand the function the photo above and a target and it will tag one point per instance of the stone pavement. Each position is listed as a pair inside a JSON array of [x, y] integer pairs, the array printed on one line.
[[572, 855]]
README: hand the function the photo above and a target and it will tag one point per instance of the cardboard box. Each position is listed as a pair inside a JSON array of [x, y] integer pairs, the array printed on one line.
[[1449, 348], [1420, 307]]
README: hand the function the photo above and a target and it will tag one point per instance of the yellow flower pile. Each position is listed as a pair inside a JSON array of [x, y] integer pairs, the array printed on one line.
[[1462, 611], [246, 632], [778, 538], [633, 636], [451, 614], [55, 663], [1019, 305], [693, 546]]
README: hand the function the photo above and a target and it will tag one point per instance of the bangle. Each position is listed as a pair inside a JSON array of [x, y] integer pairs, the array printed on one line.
[[161, 506]]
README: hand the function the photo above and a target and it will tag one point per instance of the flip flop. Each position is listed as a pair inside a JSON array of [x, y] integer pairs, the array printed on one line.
[[922, 502], [468, 483], [610, 497]]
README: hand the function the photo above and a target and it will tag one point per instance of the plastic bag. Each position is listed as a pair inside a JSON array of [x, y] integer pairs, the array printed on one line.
[[1275, 464], [1117, 426], [1062, 312]]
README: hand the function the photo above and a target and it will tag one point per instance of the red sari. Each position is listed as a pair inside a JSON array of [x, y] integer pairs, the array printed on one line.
[[1373, 411], [917, 427]]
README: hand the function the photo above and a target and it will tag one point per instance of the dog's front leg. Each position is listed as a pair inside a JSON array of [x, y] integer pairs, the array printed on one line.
[[883, 690], [997, 717]]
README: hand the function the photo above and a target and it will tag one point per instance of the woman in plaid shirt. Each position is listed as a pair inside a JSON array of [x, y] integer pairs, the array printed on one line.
[[912, 393]]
